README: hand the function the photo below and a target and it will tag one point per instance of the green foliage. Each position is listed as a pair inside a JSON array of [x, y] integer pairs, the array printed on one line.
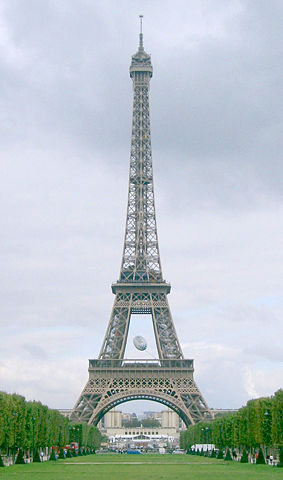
[[213, 454], [20, 458], [220, 454], [1, 462], [61, 454], [244, 457], [228, 455], [53, 455], [260, 458], [31, 425], [36, 457], [68, 454], [280, 464], [84, 435], [134, 422], [260, 422], [150, 423], [277, 419]]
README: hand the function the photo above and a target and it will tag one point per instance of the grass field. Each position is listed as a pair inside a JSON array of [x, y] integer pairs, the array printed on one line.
[[140, 467]]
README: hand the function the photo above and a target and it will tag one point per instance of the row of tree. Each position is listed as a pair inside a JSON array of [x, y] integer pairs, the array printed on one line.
[[144, 422], [31, 425], [259, 423]]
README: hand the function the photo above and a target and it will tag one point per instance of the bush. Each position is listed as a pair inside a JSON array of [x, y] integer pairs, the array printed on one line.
[[20, 458], [228, 455], [68, 455], [1, 462], [52, 456], [220, 454], [213, 454], [260, 458], [280, 464], [36, 457], [61, 454], [244, 457]]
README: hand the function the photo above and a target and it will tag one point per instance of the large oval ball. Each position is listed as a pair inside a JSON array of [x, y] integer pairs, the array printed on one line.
[[140, 343]]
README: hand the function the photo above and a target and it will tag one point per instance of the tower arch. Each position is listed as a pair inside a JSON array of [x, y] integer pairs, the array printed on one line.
[[161, 399]]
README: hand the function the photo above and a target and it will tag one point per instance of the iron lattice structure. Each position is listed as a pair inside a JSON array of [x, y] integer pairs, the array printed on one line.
[[141, 290]]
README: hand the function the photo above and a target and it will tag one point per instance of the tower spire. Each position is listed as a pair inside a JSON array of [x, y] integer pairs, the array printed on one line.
[[141, 34]]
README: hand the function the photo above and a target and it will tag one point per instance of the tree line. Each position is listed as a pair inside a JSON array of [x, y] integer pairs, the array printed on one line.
[[32, 426], [144, 422], [258, 424]]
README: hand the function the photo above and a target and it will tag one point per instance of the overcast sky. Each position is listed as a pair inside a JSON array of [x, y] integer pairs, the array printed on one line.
[[66, 100]]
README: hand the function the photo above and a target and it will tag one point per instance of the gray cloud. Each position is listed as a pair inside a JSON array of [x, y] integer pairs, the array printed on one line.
[[65, 131]]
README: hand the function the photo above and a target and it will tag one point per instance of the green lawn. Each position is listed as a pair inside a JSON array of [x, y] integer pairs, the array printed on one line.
[[140, 467]]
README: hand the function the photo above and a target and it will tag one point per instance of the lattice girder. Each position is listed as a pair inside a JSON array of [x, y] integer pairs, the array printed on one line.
[[147, 300], [169, 382]]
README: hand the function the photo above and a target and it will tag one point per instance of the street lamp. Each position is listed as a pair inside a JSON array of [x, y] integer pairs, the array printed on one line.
[[266, 432]]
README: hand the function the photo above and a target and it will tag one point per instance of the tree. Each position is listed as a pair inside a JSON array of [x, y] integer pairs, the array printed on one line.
[[61, 454], [36, 457], [20, 458], [1, 462], [150, 423], [260, 458], [244, 457], [228, 455], [220, 454], [134, 422], [31, 425], [280, 464], [53, 455], [277, 419]]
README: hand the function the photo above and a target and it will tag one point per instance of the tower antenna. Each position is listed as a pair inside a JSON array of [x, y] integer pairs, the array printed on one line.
[[141, 35], [141, 17]]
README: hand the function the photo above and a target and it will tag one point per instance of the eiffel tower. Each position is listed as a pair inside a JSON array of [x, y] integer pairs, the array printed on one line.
[[140, 289]]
